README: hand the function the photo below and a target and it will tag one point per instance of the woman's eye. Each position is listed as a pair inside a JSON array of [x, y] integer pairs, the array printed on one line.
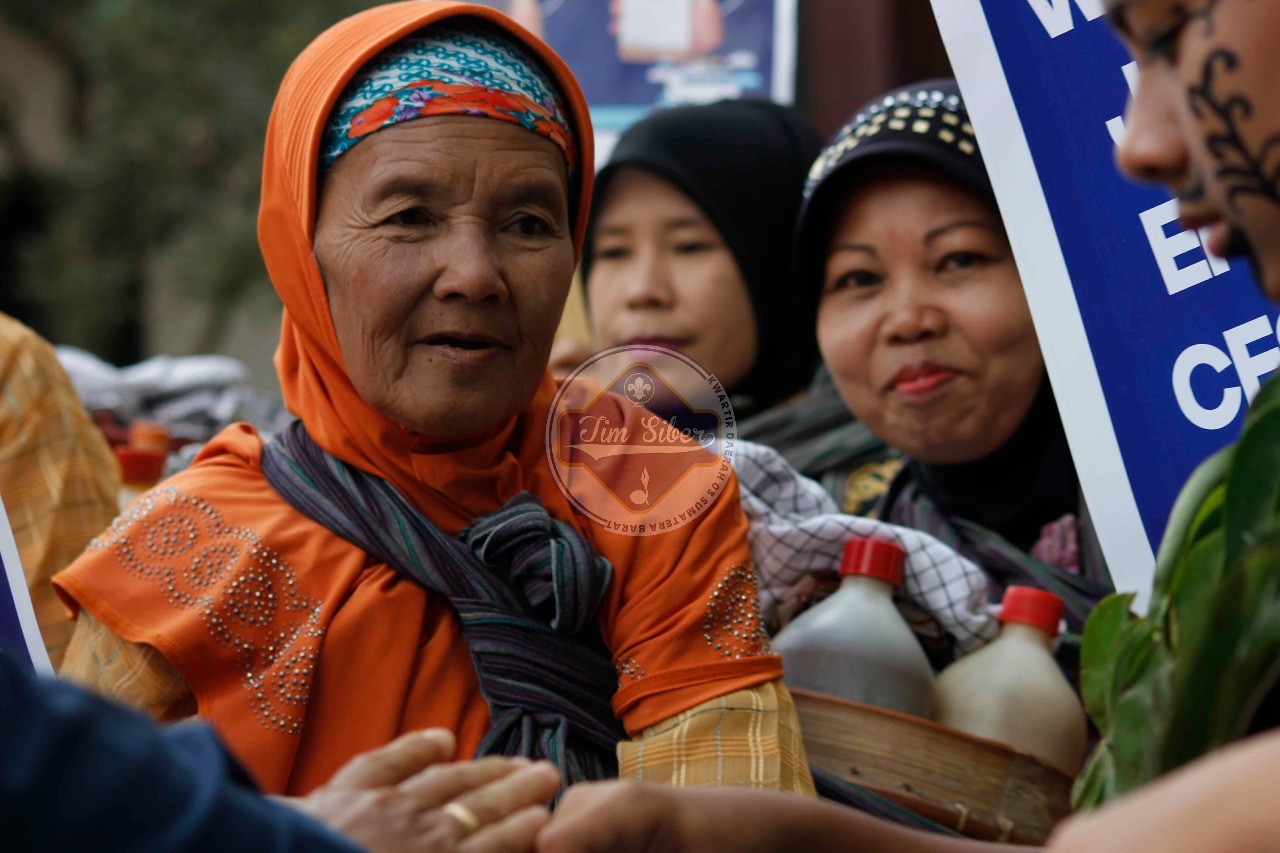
[[532, 226], [962, 261], [853, 280], [1163, 45], [612, 253], [692, 247], [409, 216]]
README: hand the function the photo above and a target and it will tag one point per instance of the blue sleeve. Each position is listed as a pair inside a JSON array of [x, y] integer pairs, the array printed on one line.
[[77, 771]]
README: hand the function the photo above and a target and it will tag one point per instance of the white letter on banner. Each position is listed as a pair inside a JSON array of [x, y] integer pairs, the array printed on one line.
[[1168, 249], [1115, 126], [1210, 419], [1251, 368], [1056, 14]]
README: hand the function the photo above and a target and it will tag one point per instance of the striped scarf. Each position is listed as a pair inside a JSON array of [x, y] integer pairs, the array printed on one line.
[[908, 504], [526, 588]]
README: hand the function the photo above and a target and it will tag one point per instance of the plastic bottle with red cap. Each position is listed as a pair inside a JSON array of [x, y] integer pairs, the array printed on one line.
[[140, 469], [855, 644], [1012, 689]]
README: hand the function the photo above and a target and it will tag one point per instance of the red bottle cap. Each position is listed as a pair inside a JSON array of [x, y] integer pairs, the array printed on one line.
[[1027, 605], [148, 435], [873, 558], [140, 467]]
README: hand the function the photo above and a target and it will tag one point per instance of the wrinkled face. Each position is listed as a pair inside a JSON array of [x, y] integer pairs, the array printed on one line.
[[922, 320], [662, 274], [1205, 118], [446, 250]]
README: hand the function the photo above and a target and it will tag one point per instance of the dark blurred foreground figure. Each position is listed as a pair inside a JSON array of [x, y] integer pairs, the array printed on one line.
[[924, 328], [688, 245], [77, 772]]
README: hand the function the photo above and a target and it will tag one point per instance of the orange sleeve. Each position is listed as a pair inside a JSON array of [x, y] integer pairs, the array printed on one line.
[[683, 617]]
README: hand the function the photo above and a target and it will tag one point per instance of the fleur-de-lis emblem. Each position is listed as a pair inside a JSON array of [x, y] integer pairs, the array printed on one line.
[[641, 496], [639, 389]]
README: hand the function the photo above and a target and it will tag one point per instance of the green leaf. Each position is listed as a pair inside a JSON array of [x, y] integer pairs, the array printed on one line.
[[1265, 398], [1193, 592], [1140, 717], [1207, 477], [1097, 655], [1097, 781], [1253, 487], [1253, 670]]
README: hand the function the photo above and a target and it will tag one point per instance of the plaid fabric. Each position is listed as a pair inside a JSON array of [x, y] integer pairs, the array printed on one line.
[[749, 738], [130, 673], [908, 504], [58, 479], [817, 435], [797, 535]]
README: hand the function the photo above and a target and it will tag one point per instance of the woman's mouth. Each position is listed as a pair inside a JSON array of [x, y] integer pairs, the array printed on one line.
[[1221, 238], [918, 382], [1218, 238], [463, 349], [678, 344]]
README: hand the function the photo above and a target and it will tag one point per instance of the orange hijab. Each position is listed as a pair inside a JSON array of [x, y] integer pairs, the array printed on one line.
[[451, 488]]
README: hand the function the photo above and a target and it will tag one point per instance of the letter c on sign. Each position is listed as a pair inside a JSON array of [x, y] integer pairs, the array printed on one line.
[[1226, 411]]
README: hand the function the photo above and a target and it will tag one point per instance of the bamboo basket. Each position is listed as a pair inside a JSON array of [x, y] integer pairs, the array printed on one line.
[[978, 787]]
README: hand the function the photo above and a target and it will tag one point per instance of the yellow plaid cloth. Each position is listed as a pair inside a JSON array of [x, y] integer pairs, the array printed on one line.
[[129, 673], [749, 738], [58, 479]]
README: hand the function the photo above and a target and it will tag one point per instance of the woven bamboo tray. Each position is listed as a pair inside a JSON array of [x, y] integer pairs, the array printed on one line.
[[978, 787]]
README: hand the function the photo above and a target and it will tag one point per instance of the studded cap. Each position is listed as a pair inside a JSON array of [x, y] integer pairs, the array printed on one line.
[[925, 122]]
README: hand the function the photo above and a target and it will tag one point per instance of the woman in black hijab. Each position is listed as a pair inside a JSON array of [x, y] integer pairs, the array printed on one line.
[[689, 245], [924, 327]]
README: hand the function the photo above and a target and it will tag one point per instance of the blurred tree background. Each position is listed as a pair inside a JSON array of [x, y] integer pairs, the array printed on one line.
[[131, 144], [167, 111]]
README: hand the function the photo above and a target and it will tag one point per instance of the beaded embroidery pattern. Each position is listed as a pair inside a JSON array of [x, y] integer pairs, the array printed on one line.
[[247, 597], [629, 670], [927, 112], [732, 625]]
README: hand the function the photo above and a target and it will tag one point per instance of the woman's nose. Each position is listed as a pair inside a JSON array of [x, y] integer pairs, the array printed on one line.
[[649, 283], [913, 318], [1153, 149], [472, 270]]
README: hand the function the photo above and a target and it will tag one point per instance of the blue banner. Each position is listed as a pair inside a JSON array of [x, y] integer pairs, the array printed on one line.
[[1153, 345]]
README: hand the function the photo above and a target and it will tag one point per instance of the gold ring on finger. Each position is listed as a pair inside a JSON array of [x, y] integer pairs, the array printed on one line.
[[462, 815]]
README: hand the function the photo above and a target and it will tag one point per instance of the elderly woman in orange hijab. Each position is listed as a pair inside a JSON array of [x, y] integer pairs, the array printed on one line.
[[402, 558]]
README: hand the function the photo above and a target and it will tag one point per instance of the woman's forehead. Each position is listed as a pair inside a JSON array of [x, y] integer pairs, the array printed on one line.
[[909, 196], [424, 157], [635, 193]]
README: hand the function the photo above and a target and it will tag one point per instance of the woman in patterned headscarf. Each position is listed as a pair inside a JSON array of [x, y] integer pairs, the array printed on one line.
[[402, 557]]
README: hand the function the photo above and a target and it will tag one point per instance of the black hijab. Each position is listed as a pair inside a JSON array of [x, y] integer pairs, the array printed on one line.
[[743, 163]]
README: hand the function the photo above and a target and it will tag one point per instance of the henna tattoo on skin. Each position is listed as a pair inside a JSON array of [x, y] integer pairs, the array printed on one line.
[[1242, 170]]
